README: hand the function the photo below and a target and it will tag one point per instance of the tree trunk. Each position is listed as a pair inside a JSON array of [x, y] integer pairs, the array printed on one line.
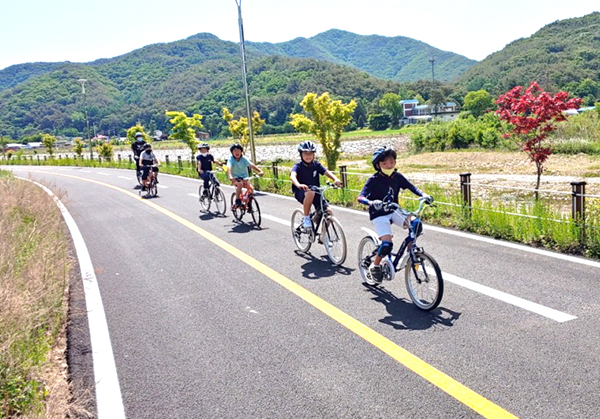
[[539, 168]]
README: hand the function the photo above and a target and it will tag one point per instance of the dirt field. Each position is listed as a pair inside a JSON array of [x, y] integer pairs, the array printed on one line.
[[499, 168]]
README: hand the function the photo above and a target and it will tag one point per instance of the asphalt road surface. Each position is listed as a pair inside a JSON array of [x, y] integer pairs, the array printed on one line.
[[211, 318]]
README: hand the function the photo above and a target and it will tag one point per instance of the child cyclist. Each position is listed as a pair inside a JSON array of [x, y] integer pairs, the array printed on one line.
[[384, 186], [204, 161], [305, 174], [237, 170], [148, 161]]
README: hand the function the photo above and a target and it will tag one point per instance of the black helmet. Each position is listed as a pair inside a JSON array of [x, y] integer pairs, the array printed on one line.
[[238, 146], [147, 146], [381, 154], [307, 146], [204, 145]]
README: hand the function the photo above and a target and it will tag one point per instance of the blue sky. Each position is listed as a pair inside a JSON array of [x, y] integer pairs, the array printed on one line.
[[84, 30]]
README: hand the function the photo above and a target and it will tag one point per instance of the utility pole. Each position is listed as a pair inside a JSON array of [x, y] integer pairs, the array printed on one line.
[[87, 122], [432, 61], [244, 76]]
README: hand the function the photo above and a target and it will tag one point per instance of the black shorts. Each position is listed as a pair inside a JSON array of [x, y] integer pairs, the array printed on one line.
[[299, 195], [146, 171]]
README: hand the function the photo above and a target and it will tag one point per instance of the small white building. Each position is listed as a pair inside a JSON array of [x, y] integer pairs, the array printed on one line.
[[413, 113]]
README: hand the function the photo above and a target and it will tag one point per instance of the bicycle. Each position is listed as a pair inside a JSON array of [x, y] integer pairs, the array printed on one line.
[[325, 228], [248, 204], [213, 193], [152, 188], [423, 276]]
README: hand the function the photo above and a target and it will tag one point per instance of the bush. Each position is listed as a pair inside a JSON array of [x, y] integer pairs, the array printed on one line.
[[379, 122]]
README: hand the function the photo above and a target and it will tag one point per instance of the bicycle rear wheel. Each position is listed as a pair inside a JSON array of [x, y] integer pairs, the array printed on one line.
[[204, 198], [237, 212], [254, 210], [153, 188], [335, 241], [366, 252], [299, 234], [220, 202], [424, 281]]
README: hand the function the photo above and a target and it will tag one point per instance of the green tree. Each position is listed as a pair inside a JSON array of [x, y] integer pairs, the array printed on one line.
[[239, 127], [185, 127], [137, 128], [106, 150], [78, 147], [390, 103], [379, 121], [327, 121], [48, 141], [478, 103], [3, 142]]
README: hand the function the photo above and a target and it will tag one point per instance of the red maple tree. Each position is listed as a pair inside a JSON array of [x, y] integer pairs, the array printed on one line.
[[533, 115]]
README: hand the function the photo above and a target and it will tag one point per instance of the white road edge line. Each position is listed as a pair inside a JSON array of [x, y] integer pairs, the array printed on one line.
[[162, 186], [195, 195], [125, 177], [108, 392], [548, 312], [102, 173]]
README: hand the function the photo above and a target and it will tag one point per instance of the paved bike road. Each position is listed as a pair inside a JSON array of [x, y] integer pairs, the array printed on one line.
[[198, 333]]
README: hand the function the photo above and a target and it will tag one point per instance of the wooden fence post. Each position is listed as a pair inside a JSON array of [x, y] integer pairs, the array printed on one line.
[[344, 176], [180, 163], [465, 189]]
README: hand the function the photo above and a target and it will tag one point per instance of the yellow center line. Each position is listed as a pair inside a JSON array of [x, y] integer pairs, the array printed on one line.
[[460, 392]]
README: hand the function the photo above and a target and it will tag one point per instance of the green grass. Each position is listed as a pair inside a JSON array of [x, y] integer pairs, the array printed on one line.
[[34, 272]]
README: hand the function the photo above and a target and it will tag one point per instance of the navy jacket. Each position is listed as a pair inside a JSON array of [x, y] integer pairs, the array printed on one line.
[[136, 147], [386, 188], [308, 174]]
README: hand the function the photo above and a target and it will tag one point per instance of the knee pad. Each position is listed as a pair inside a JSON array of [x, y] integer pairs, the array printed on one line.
[[385, 248]]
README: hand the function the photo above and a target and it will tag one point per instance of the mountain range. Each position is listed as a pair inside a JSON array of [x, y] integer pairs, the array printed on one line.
[[201, 74]]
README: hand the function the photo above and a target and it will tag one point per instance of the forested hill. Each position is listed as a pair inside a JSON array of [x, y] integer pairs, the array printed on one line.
[[395, 58], [561, 55], [199, 74]]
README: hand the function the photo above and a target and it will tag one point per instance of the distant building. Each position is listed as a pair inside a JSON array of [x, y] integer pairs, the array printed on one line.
[[413, 113]]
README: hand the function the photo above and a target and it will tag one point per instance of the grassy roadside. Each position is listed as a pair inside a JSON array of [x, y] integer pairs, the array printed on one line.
[[34, 276]]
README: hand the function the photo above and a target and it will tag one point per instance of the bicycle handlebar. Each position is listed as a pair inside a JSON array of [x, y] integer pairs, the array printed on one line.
[[417, 212]]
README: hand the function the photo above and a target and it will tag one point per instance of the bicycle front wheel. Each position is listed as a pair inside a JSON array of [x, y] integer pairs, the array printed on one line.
[[254, 209], [204, 198], [220, 201], [366, 252], [301, 238], [153, 188], [424, 281], [237, 212], [335, 241]]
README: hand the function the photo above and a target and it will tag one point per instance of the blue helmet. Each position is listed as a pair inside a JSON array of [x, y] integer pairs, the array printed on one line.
[[381, 154], [307, 146]]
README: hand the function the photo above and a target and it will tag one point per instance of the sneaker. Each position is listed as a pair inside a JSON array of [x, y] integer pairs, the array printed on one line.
[[237, 204], [376, 274], [306, 223], [144, 189], [205, 193]]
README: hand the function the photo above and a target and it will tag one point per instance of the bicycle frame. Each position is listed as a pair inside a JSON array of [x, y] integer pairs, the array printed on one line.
[[409, 240]]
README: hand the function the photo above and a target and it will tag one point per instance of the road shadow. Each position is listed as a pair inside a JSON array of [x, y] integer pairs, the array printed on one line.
[[320, 267], [404, 315], [241, 227], [210, 215]]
